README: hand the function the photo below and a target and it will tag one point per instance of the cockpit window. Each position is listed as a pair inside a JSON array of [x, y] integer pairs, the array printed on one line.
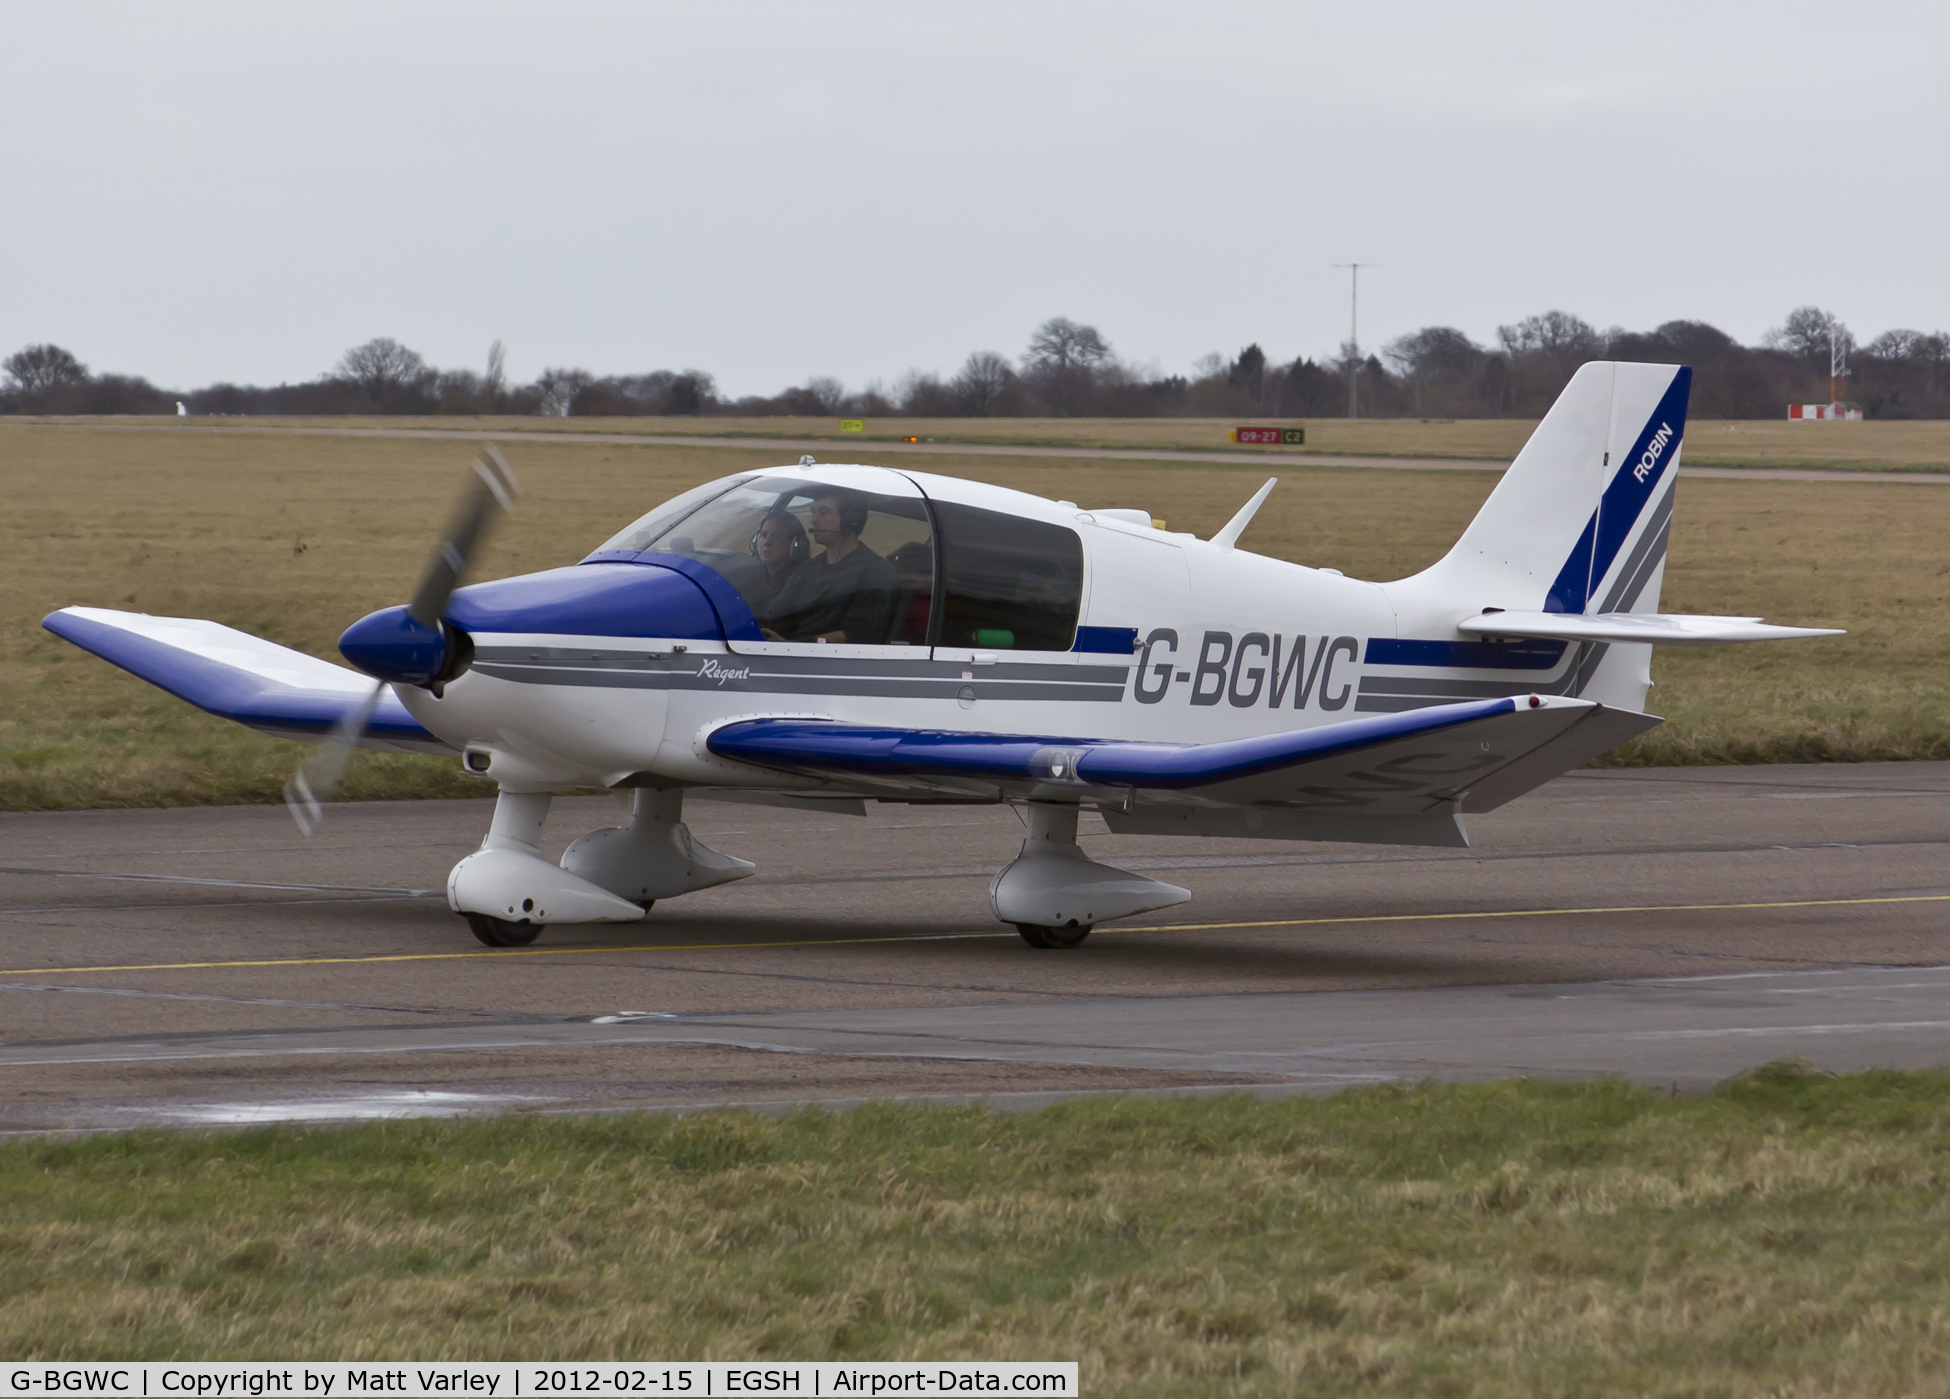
[[816, 562], [659, 521], [1009, 583]]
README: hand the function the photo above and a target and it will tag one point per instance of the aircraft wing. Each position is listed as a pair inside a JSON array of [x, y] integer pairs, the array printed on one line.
[[1395, 777], [1660, 628], [235, 675]]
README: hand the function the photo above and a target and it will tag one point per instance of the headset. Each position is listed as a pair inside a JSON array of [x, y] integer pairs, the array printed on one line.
[[799, 550]]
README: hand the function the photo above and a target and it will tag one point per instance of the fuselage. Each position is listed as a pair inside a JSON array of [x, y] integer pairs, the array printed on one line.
[[621, 666]]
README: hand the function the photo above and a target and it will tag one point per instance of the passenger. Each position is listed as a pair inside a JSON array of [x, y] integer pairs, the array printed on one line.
[[844, 594], [781, 549]]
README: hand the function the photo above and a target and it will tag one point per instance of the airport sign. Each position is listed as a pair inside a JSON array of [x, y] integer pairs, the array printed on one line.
[[1269, 436]]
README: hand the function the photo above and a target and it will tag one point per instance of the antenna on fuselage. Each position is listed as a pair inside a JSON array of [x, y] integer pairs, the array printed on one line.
[[1236, 526]]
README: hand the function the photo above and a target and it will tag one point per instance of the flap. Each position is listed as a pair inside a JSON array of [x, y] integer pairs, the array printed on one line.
[[238, 676], [1662, 629]]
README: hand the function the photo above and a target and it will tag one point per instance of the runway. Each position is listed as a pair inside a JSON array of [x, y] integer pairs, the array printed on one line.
[[827, 448], [1676, 927]]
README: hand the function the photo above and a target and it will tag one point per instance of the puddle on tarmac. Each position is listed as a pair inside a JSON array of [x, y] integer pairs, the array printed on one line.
[[625, 1017], [357, 1107]]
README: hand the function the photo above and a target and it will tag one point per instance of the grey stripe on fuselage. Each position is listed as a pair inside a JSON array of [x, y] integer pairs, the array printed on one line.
[[1447, 689], [892, 678], [1392, 694]]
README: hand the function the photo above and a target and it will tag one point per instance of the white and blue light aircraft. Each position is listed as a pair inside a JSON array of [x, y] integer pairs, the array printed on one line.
[[818, 635]]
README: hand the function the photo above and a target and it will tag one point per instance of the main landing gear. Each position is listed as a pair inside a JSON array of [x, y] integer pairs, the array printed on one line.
[[508, 892], [1051, 893], [1070, 935], [1055, 894], [499, 932]]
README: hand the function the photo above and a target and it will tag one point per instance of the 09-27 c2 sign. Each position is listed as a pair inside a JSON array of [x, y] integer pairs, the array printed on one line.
[[1270, 436]]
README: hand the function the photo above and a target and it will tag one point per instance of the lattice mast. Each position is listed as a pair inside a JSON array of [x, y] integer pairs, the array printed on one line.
[[1836, 409], [1837, 363]]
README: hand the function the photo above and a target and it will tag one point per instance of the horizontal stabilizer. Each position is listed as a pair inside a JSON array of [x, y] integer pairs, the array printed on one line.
[[1659, 628], [235, 675]]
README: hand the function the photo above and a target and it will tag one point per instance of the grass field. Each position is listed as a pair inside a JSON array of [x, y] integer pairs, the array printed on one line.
[[1873, 446], [294, 537], [1789, 1235]]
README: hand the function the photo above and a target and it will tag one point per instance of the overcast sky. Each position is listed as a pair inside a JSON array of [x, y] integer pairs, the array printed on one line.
[[200, 192]]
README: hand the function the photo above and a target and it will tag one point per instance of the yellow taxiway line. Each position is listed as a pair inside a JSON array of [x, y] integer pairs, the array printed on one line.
[[959, 937]]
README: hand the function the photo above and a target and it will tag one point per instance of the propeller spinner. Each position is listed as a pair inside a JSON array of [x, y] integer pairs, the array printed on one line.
[[408, 645]]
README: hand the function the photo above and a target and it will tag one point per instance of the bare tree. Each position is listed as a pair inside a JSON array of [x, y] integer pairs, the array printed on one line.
[[689, 393], [1433, 355], [984, 380], [1309, 391], [380, 367], [1805, 334], [1060, 343], [1438, 351], [919, 395], [559, 388], [1557, 335], [457, 391], [37, 369], [825, 394], [495, 385], [1914, 350], [1901, 345]]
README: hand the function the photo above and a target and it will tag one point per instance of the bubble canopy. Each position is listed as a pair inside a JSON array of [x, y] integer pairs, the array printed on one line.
[[859, 555], [839, 554]]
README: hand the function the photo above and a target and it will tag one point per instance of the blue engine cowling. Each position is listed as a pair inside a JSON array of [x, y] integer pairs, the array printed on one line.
[[601, 599]]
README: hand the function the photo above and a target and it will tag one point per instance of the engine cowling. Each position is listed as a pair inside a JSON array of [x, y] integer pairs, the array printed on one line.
[[678, 599]]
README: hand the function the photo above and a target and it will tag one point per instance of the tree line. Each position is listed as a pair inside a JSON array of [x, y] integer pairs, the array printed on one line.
[[1071, 370]]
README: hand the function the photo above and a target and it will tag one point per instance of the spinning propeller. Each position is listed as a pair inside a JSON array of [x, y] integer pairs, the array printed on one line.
[[417, 630]]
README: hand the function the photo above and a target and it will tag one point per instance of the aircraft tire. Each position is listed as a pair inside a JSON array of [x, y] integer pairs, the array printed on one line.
[[1037, 935], [499, 932]]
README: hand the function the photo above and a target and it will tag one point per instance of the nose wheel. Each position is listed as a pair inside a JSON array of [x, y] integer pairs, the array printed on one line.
[[499, 932], [1036, 935]]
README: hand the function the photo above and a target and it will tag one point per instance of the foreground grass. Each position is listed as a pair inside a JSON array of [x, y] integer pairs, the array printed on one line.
[[294, 537], [1789, 1234]]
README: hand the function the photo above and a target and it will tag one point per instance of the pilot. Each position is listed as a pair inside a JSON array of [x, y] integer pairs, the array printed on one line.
[[781, 549], [844, 594]]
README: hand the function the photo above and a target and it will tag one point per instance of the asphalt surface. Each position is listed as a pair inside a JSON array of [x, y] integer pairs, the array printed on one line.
[[826, 447], [1676, 927]]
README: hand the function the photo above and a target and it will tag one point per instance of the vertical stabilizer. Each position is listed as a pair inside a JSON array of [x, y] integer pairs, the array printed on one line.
[[1578, 524]]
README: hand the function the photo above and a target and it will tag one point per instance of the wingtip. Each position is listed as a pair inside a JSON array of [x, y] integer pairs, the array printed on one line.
[[58, 620]]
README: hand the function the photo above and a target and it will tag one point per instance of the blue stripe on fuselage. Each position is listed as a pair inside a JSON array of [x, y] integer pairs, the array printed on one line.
[[1465, 655]]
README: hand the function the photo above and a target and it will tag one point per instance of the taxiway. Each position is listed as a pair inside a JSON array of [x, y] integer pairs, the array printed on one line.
[[1670, 926], [828, 447]]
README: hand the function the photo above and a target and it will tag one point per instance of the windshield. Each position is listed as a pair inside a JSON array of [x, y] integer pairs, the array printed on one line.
[[815, 562], [637, 537]]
